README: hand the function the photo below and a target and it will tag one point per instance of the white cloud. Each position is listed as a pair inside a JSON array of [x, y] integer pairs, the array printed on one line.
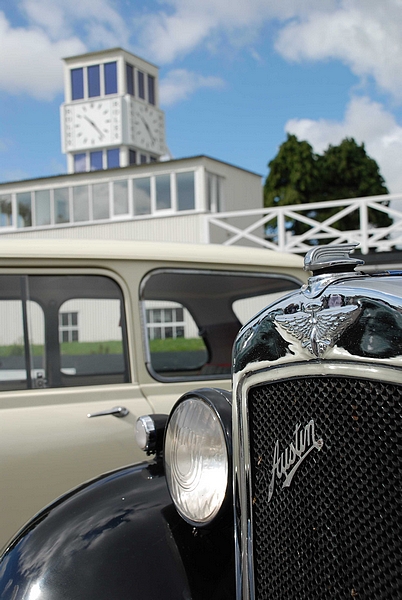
[[367, 122], [180, 83], [30, 55], [30, 61], [363, 34], [186, 24]]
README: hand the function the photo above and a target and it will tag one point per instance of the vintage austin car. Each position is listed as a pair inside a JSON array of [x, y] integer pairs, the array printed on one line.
[[290, 489], [117, 329]]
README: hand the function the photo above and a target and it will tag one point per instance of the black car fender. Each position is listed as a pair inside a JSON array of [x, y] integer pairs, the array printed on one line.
[[118, 537]]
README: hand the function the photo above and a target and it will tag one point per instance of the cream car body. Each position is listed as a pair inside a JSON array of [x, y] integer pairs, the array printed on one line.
[[47, 442]]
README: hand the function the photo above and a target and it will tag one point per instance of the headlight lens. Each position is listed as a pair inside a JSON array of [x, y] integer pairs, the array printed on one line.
[[196, 461]]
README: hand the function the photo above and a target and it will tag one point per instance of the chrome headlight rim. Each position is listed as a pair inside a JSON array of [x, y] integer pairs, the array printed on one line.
[[219, 402]]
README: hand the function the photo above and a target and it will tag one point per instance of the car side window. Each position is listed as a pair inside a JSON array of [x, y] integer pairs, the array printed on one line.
[[61, 330], [191, 317]]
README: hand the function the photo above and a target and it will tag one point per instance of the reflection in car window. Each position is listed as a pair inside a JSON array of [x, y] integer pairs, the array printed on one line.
[[61, 330], [192, 317]]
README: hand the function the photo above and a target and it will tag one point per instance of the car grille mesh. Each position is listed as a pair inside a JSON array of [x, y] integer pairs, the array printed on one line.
[[336, 531]]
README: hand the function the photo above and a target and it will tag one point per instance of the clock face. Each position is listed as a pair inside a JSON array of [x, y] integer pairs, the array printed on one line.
[[147, 128], [92, 124]]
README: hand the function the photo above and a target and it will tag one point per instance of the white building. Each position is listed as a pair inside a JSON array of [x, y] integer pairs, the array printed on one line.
[[118, 182]]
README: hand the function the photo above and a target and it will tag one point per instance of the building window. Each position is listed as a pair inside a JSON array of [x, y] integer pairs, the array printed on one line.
[[113, 158], [42, 207], [100, 201], [152, 159], [80, 203], [143, 159], [24, 208], [141, 86], [61, 205], [110, 71], [130, 79], [120, 197], [77, 84], [163, 197], [80, 162], [185, 191], [68, 327], [132, 157], [142, 196], [165, 323], [96, 160], [214, 191], [93, 81], [6, 217], [151, 89]]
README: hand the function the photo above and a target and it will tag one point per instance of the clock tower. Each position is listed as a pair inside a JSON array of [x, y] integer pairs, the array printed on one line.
[[110, 117]]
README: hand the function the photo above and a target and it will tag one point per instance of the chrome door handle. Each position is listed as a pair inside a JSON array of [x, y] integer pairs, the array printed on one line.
[[117, 411]]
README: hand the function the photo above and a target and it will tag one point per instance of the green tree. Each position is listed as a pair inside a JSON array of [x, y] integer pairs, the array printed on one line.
[[298, 176], [348, 172]]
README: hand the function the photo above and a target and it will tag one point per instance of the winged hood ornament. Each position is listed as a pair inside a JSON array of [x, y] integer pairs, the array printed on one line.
[[319, 328]]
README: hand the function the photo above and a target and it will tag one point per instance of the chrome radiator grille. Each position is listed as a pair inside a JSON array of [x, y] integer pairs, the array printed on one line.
[[336, 531]]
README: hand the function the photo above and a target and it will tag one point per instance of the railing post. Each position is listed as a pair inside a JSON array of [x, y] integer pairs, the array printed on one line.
[[364, 227], [281, 230]]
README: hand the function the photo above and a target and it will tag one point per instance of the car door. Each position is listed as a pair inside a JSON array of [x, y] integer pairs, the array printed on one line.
[[64, 354]]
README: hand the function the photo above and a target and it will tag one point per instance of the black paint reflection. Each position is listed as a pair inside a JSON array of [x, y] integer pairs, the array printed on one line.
[[377, 332]]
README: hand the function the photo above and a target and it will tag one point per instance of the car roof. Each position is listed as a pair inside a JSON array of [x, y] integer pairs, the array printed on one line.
[[145, 250]]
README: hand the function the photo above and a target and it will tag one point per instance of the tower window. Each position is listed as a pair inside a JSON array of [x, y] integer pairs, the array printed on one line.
[[130, 79], [96, 160], [80, 162], [113, 158], [77, 84], [141, 87], [93, 81], [151, 89], [110, 72]]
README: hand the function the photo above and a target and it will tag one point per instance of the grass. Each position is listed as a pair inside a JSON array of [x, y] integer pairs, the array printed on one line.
[[108, 347], [177, 345]]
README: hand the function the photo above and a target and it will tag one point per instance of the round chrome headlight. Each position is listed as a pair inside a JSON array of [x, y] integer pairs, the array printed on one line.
[[196, 460]]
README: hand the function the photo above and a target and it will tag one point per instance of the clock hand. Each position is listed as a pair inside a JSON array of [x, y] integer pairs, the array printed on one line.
[[147, 128], [94, 126]]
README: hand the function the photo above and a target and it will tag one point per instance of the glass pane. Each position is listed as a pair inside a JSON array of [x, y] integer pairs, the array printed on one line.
[[6, 217], [130, 79], [94, 346], [93, 81], [141, 87], [80, 163], [113, 158], [96, 160], [132, 157], [110, 70], [20, 355], [208, 308], [42, 207], [120, 189], [143, 159], [163, 200], [61, 205], [151, 89], [24, 209], [77, 84], [185, 191], [80, 203], [100, 201], [142, 196]]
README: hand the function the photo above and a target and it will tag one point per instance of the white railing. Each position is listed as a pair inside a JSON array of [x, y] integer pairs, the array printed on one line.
[[267, 227]]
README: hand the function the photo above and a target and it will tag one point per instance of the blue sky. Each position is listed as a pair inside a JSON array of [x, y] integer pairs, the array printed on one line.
[[235, 75]]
